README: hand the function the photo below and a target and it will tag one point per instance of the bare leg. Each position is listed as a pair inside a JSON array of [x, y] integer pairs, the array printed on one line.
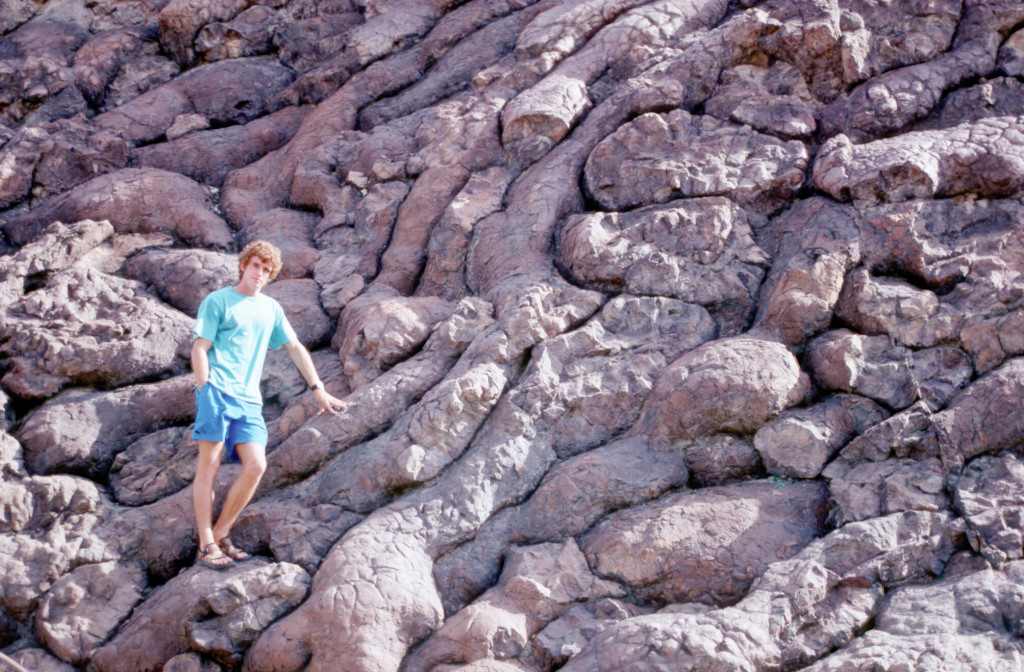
[[254, 463], [202, 493]]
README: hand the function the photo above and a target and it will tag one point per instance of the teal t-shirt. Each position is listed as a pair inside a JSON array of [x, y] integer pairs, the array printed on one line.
[[241, 329]]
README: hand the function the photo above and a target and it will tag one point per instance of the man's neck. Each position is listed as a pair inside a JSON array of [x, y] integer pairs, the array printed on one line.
[[245, 290]]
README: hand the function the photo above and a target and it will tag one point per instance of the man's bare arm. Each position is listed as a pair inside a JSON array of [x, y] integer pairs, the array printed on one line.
[[304, 363], [201, 360]]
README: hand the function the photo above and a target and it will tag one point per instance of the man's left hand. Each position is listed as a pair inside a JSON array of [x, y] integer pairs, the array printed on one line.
[[327, 402]]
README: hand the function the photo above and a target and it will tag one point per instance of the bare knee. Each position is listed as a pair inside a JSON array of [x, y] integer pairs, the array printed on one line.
[[255, 466]]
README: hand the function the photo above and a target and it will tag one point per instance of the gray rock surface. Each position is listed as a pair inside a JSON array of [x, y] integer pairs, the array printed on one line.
[[673, 334]]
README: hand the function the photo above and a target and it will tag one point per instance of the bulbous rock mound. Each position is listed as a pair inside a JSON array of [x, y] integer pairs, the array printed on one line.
[[673, 334]]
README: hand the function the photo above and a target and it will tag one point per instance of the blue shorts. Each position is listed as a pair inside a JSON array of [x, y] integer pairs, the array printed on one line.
[[221, 417]]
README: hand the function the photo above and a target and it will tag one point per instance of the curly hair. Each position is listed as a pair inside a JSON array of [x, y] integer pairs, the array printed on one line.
[[265, 251]]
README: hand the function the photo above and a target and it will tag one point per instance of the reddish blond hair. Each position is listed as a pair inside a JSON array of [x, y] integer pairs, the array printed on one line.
[[265, 251]]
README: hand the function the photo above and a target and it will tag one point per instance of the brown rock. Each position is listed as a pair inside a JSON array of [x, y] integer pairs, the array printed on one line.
[[868, 365], [216, 613], [154, 466], [228, 92], [208, 156], [292, 232], [301, 302], [247, 34], [379, 330], [971, 158], [82, 430], [183, 278], [815, 244], [976, 421], [90, 328], [659, 157], [772, 100], [735, 385], [700, 251], [57, 248], [988, 497], [133, 200], [719, 459], [880, 305], [709, 545], [799, 443], [38, 660], [856, 562], [959, 621], [536, 586], [83, 608]]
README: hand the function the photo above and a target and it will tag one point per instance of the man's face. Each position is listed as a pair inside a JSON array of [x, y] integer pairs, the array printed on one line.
[[256, 274]]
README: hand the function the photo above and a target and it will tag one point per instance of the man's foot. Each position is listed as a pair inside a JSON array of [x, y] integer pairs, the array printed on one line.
[[232, 551], [212, 557]]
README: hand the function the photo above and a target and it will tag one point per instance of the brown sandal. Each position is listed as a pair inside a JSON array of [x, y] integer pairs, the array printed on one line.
[[232, 551], [209, 555]]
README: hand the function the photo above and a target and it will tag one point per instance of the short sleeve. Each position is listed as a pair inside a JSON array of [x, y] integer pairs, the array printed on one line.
[[208, 319], [283, 332]]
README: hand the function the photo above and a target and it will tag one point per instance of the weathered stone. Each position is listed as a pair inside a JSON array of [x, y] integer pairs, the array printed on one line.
[[292, 232], [880, 305], [660, 157], [976, 421], [988, 497], [379, 330], [799, 443], [982, 158], [208, 156], [301, 302], [183, 278], [59, 247], [870, 365], [1011, 55], [565, 636], [772, 100], [855, 565], [964, 622], [39, 660], [733, 385], [597, 348], [85, 607], [699, 251], [719, 459], [82, 430], [229, 92], [154, 466], [815, 244], [871, 489], [707, 545], [216, 613], [537, 585], [90, 328], [247, 34], [133, 200]]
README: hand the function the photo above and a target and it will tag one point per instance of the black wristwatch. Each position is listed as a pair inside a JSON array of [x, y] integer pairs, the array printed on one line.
[[316, 386]]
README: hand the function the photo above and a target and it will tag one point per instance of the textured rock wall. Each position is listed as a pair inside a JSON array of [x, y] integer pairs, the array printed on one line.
[[674, 334]]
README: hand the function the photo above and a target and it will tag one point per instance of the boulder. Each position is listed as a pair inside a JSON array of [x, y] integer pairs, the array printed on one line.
[[86, 327], [134, 200], [86, 606], [708, 545], [82, 430], [660, 157], [799, 443], [699, 251], [733, 384], [217, 613]]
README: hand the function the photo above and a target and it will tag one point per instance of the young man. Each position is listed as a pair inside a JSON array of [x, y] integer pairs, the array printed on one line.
[[234, 328]]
